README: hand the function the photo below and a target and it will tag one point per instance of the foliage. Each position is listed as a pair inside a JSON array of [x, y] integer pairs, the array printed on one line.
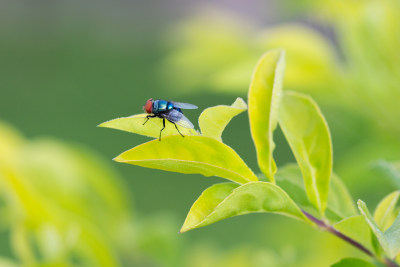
[[214, 120], [351, 61], [264, 96], [226, 200], [63, 205], [345, 56], [308, 135], [56, 199], [343, 53]]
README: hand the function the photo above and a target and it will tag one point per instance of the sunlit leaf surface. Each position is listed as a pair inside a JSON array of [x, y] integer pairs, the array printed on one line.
[[213, 120], [385, 213], [134, 124], [190, 154], [308, 136], [263, 100], [206, 204], [226, 200]]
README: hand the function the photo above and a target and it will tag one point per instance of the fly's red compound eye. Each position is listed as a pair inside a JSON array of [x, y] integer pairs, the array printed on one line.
[[149, 106]]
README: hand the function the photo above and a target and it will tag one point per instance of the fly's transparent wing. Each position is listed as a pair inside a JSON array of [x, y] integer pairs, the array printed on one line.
[[185, 122], [183, 105], [177, 117]]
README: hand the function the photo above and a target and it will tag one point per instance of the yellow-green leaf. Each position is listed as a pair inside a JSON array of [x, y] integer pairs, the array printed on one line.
[[339, 198], [226, 200], [392, 236], [385, 214], [213, 120], [340, 204], [374, 227], [263, 99], [356, 228], [190, 154], [134, 124], [308, 135]]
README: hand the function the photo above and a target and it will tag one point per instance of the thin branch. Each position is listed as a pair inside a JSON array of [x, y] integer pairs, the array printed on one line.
[[349, 240], [332, 230], [390, 263]]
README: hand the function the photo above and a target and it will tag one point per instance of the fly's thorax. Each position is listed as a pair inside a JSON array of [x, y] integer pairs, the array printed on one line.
[[161, 106]]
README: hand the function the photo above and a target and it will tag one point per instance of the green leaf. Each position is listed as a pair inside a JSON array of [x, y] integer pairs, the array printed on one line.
[[206, 204], [374, 227], [226, 200], [385, 212], [339, 198], [134, 124], [350, 262], [263, 99], [308, 136], [289, 179], [340, 204], [191, 154], [212, 121], [357, 228], [392, 236]]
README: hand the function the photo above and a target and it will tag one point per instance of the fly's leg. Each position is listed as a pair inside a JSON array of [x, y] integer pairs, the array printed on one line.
[[148, 118], [178, 130], [163, 123]]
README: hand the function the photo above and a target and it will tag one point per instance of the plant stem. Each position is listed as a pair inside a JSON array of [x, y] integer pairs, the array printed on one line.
[[349, 240], [390, 263]]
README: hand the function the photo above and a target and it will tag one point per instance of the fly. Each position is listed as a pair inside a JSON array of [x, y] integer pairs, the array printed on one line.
[[168, 110]]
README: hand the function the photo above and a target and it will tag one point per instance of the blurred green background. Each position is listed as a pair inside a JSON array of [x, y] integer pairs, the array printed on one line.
[[66, 66]]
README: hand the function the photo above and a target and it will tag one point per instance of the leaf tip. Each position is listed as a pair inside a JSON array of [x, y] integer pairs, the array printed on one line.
[[117, 159], [183, 229], [362, 207], [101, 124], [240, 103]]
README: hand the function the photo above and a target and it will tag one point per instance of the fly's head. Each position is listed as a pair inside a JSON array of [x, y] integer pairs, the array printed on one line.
[[148, 107]]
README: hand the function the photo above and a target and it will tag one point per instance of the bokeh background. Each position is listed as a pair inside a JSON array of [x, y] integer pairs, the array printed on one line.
[[68, 65]]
